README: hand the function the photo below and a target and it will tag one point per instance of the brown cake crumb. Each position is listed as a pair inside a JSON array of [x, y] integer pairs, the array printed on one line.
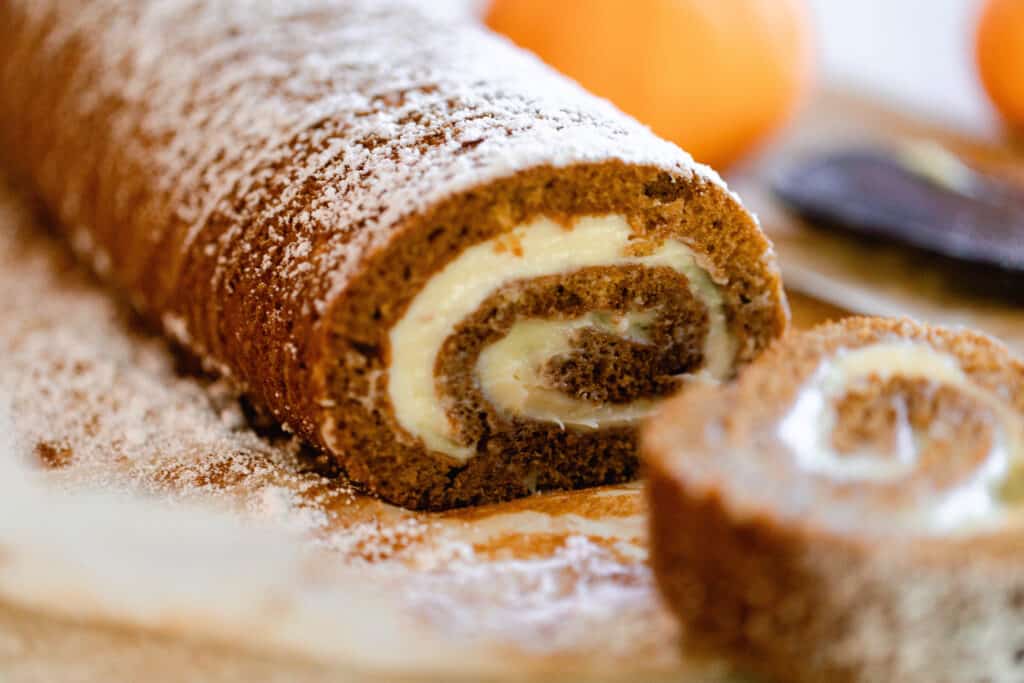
[[53, 455]]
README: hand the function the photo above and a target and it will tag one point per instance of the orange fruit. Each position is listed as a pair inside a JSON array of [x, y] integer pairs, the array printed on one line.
[[1000, 52], [714, 76]]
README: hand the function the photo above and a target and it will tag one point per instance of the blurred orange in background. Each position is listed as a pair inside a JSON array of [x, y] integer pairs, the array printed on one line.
[[714, 76], [1000, 47]]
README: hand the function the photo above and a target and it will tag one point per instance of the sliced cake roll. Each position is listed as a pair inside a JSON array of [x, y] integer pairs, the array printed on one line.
[[847, 510], [452, 270]]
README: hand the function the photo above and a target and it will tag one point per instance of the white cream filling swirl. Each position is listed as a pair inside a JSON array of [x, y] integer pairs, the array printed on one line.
[[508, 369], [807, 429]]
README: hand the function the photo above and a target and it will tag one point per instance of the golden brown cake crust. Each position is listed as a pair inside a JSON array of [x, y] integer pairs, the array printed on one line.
[[801, 578], [534, 452], [276, 203]]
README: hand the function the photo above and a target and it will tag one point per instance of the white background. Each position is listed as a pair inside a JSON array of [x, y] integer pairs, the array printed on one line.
[[916, 53]]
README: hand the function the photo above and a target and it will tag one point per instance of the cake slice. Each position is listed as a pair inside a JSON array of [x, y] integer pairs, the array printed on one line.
[[847, 509]]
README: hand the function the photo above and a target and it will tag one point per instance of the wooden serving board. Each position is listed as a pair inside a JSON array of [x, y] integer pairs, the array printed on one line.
[[150, 531]]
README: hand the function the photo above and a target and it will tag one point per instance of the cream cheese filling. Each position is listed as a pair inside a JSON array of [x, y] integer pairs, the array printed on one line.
[[808, 426], [536, 249], [509, 371]]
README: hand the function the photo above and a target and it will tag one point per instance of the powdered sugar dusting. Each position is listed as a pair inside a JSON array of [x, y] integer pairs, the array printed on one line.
[[545, 603], [380, 107], [103, 404]]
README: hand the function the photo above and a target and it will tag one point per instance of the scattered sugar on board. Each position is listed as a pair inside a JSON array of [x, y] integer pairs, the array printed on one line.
[[92, 401], [546, 603]]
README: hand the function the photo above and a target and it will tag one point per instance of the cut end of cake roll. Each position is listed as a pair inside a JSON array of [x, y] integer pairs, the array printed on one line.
[[847, 510], [518, 332]]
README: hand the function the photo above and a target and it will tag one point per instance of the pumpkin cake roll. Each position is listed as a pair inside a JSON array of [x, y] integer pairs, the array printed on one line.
[[453, 271], [848, 509]]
